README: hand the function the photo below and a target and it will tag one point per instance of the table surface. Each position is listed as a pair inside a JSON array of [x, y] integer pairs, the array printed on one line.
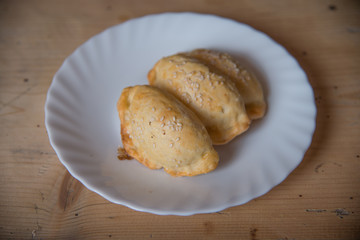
[[39, 199]]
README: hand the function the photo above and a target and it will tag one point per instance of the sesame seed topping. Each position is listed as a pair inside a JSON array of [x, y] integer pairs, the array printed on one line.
[[162, 118], [177, 139], [162, 125], [174, 118], [154, 145], [171, 145], [153, 109], [169, 109]]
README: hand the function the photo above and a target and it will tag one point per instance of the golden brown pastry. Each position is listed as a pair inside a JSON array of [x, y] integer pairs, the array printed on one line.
[[161, 132], [212, 96], [247, 84]]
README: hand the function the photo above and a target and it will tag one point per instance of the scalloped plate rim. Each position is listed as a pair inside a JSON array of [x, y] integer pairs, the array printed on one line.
[[68, 166]]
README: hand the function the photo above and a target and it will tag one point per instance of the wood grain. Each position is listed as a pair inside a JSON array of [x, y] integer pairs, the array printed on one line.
[[39, 199]]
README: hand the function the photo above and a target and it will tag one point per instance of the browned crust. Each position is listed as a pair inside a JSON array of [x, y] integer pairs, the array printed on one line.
[[209, 168], [205, 165], [239, 128], [256, 110], [123, 155], [151, 76], [122, 107], [217, 137]]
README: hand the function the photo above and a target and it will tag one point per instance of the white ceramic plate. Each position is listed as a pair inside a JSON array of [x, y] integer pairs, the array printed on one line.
[[84, 129]]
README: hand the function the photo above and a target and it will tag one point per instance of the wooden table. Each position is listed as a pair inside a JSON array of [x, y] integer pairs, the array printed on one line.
[[39, 199]]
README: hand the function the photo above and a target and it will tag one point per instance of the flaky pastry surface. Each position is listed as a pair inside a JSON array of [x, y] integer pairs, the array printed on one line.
[[245, 81], [161, 132], [212, 96]]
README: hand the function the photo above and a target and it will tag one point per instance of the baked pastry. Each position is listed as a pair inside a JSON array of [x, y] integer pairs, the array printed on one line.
[[161, 132], [247, 84], [212, 96]]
